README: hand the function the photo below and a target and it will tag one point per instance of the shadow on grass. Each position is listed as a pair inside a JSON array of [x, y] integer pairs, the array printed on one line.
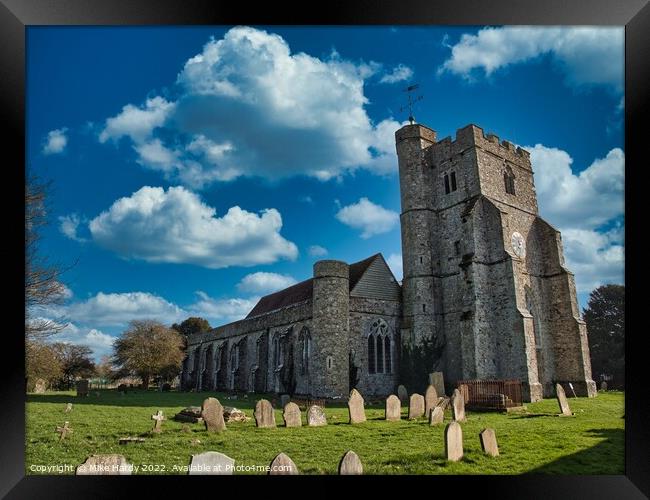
[[607, 457]]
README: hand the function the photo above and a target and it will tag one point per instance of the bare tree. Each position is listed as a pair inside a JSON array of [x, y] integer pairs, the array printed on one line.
[[43, 286]]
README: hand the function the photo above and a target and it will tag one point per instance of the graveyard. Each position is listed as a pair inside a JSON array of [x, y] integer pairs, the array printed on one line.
[[536, 440]]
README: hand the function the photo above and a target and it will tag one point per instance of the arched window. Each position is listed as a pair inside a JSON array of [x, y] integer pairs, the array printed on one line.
[[379, 348], [305, 344], [388, 366], [276, 350], [509, 180], [371, 353], [380, 354]]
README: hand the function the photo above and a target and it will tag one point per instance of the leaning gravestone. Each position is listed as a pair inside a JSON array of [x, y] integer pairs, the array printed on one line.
[[282, 465], [212, 414], [437, 380], [316, 416], [437, 416], [284, 400], [355, 407], [489, 442], [350, 465], [416, 406], [562, 401], [453, 442], [430, 400], [291, 415], [105, 465], [40, 386], [264, 414], [393, 408], [458, 406], [402, 394], [64, 431], [82, 388], [211, 463]]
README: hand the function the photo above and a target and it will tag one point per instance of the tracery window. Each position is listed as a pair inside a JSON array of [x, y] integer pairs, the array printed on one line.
[[305, 346], [379, 348]]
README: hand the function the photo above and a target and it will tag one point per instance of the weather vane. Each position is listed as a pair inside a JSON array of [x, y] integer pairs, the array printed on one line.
[[412, 101]]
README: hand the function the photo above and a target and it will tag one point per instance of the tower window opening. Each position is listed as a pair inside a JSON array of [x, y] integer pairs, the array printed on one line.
[[424, 308], [509, 181], [453, 181], [457, 247], [446, 184]]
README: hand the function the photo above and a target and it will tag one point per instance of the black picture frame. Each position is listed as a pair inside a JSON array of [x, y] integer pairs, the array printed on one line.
[[16, 15]]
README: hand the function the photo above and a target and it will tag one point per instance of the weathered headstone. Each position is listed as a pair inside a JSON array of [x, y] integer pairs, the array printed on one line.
[[284, 400], [416, 406], [68, 408], [212, 414], [40, 386], [264, 414], [211, 463], [443, 403], [158, 417], [489, 442], [402, 394], [82, 388], [437, 380], [291, 415], [282, 465], [453, 442], [350, 465], [437, 416], [105, 465], [458, 406], [64, 431], [393, 408], [355, 407], [603, 386], [430, 400], [316, 416], [562, 401], [131, 439]]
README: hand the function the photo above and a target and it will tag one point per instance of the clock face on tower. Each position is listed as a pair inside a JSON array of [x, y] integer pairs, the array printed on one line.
[[518, 245]]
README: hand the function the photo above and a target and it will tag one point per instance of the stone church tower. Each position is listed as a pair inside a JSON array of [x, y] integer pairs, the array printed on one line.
[[485, 294]]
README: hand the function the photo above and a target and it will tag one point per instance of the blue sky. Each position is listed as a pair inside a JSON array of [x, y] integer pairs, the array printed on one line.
[[195, 169]]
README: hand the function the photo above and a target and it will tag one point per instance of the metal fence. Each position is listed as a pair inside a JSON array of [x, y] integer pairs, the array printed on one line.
[[491, 394]]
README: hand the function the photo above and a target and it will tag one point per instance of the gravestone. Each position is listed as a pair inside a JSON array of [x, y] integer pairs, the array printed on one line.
[[453, 442], [603, 386], [355, 407], [430, 400], [131, 439], [282, 465], [437, 416], [402, 394], [190, 414], [350, 465], [443, 403], [416, 406], [212, 415], [105, 465], [64, 431], [291, 415], [562, 401], [68, 408], [489, 442], [316, 416], [264, 414], [393, 408], [211, 463], [82, 388], [40, 386], [158, 417], [458, 406], [284, 400], [437, 380]]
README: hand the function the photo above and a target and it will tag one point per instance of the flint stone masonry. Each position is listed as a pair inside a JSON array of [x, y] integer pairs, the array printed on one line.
[[291, 415], [453, 442], [105, 465], [350, 465], [489, 442], [316, 416], [458, 406], [562, 401], [356, 408], [430, 400], [416, 406], [282, 465], [393, 408], [211, 463], [212, 414], [264, 414]]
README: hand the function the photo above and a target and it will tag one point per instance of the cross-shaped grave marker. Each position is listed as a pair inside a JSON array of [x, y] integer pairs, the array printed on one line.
[[68, 408], [158, 417], [64, 431]]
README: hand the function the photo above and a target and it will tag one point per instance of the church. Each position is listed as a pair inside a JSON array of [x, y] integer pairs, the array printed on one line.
[[485, 293]]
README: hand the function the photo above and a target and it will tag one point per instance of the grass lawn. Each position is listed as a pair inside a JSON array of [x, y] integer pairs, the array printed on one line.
[[538, 441]]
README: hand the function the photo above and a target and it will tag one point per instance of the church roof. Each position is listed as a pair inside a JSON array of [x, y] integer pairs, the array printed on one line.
[[304, 290]]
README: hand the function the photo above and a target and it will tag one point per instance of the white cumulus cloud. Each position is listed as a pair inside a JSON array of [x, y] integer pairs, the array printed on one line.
[[394, 261], [221, 311], [69, 224], [101, 343], [399, 74], [586, 54], [176, 226], [368, 217], [262, 282], [55, 141], [317, 251], [138, 123]]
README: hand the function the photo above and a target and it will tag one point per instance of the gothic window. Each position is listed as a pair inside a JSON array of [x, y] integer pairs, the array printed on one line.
[[305, 339], [509, 180], [387, 354], [371, 353], [276, 350], [446, 184], [453, 181], [380, 354], [379, 348]]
